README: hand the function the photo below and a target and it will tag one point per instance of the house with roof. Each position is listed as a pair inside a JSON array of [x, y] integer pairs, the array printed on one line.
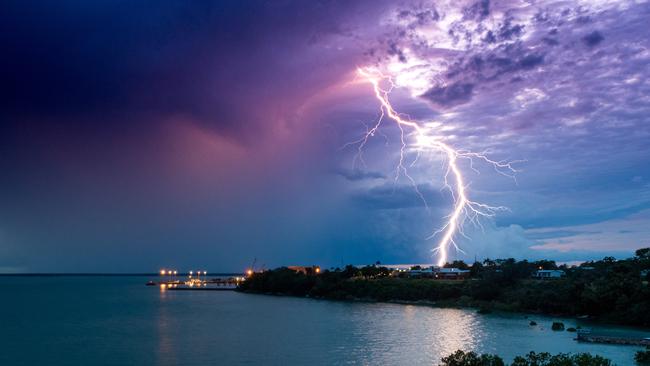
[[549, 274]]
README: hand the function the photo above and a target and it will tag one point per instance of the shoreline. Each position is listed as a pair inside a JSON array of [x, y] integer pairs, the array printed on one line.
[[450, 305]]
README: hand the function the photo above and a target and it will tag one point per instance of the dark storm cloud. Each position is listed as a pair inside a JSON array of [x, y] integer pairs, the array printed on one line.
[[130, 130], [562, 84], [508, 31], [391, 197], [557, 234], [206, 61], [572, 216], [451, 95], [531, 60], [482, 69], [358, 174], [479, 10], [121, 118], [593, 38], [421, 16]]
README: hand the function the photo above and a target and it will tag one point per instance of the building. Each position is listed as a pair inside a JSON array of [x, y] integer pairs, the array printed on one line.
[[452, 273], [549, 273], [422, 273]]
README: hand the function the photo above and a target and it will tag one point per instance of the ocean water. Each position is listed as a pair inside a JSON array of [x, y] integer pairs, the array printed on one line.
[[119, 321]]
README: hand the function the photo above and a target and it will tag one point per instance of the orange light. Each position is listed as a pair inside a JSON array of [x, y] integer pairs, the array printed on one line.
[[249, 272], [317, 269], [162, 272]]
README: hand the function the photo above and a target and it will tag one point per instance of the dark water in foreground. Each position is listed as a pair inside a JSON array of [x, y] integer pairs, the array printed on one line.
[[119, 321]]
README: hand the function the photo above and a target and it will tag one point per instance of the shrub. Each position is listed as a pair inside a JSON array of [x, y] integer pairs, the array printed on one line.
[[460, 358], [643, 357], [562, 359]]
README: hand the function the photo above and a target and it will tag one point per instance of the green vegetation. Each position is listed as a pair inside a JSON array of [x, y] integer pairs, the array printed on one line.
[[460, 358], [562, 359], [643, 357], [609, 290]]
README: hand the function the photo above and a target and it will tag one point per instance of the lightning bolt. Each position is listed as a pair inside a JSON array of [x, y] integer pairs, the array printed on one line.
[[464, 209]]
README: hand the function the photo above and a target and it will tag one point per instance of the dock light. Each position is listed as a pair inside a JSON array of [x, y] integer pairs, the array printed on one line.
[[317, 269], [249, 272], [175, 272], [205, 273], [162, 272]]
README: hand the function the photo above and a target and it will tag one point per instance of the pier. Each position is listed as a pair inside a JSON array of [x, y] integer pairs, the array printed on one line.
[[196, 281], [586, 336], [202, 288]]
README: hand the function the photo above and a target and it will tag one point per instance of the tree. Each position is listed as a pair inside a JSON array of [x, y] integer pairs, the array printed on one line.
[[369, 271], [544, 264], [460, 358], [643, 253], [476, 268], [350, 271], [457, 264], [643, 357], [383, 271], [562, 359]]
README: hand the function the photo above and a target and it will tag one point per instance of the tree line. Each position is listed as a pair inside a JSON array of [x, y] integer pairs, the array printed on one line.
[[608, 289]]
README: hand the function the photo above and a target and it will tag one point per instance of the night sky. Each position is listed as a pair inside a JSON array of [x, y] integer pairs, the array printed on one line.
[[149, 134]]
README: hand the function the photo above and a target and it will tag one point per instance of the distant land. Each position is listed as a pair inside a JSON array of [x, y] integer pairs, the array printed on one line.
[[608, 290], [150, 274]]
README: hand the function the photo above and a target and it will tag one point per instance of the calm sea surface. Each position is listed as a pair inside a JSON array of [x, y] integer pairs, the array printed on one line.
[[119, 321]]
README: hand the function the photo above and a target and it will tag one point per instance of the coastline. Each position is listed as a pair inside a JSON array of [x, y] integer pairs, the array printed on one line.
[[608, 291], [495, 309]]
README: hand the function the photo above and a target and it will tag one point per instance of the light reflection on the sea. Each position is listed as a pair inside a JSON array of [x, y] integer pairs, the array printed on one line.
[[118, 320]]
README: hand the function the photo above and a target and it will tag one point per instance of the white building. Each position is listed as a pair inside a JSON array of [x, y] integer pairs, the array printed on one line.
[[452, 273], [549, 273]]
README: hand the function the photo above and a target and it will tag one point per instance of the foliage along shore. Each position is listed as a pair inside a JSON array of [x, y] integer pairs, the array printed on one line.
[[460, 358], [607, 290]]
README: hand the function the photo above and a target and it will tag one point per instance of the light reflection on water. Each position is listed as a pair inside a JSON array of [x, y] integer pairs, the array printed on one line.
[[118, 321]]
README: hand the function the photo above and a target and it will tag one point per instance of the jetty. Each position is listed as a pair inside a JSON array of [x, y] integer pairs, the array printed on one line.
[[196, 281], [202, 288], [587, 336]]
